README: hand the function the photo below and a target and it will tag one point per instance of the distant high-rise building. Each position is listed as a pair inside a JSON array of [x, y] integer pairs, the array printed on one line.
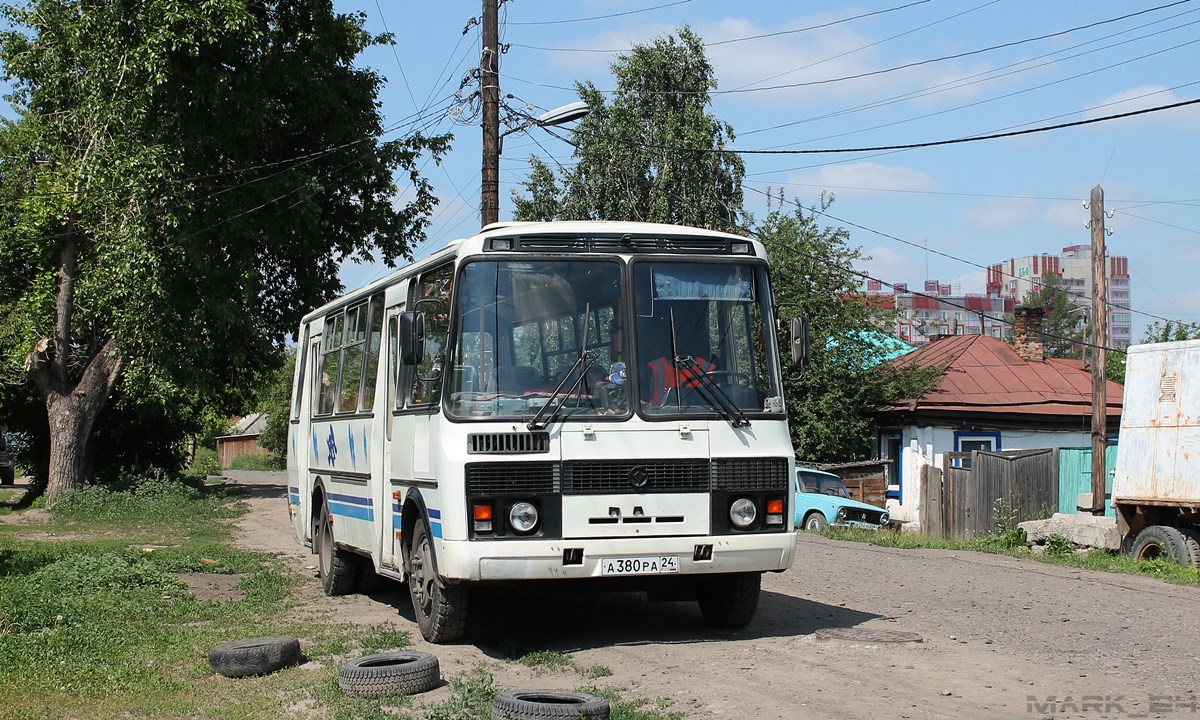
[[937, 312], [1015, 277]]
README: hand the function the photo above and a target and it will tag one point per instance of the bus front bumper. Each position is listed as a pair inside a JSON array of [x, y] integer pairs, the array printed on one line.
[[466, 561]]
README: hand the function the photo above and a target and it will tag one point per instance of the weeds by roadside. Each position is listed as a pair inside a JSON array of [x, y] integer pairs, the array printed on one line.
[[98, 622], [1012, 543]]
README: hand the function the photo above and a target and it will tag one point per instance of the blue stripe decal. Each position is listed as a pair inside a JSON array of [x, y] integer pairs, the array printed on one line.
[[351, 499], [435, 514], [352, 511], [396, 507], [293, 489], [294, 499], [397, 522], [435, 529]]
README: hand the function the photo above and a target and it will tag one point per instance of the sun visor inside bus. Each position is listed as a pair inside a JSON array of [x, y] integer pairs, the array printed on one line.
[[534, 294], [695, 282]]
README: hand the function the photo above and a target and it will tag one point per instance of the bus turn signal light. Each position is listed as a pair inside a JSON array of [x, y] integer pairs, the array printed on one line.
[[482, 513], [775, 512]]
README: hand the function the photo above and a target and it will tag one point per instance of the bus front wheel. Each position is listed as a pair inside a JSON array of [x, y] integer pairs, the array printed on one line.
[[729, 601], [441, 609]]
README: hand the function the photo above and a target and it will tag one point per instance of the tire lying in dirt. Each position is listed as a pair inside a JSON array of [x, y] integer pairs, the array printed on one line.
[[256, 656], [548, 704], [390, 673], [1168, 543]]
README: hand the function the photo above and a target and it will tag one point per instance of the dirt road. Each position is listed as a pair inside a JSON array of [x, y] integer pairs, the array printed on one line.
[[1000, 638]]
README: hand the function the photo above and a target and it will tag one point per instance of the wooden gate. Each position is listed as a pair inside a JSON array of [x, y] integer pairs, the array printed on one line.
[[962, 503]]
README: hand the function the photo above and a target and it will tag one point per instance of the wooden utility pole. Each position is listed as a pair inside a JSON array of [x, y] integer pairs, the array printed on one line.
[[489, 90], [1099, 341]]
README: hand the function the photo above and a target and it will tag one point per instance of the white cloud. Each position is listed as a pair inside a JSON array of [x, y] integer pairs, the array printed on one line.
[[1002, 212], [864, 179], [890, 266], [1143, 97]]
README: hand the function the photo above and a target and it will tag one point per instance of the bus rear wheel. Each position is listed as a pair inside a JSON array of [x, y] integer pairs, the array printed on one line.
[[441, 609]]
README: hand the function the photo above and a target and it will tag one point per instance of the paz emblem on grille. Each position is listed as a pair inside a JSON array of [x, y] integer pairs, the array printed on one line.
[[638, 477]]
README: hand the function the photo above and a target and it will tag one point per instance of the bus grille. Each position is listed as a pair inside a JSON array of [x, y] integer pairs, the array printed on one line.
[[750, 474], [595, 478], [508, 443], [607, 478], [511, 478]]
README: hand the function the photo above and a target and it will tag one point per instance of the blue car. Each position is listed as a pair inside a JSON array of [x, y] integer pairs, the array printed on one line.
[[822, 500]]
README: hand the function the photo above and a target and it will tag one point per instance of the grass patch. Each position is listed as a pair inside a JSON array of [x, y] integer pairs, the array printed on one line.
[[1058, 552], [256, 462]]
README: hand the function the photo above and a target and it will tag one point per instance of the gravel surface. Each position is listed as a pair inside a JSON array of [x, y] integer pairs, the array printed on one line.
[[999, 637]]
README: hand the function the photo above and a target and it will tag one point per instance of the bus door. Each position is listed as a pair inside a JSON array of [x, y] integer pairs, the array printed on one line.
[[391, 493], [299, 445], [415, 439]]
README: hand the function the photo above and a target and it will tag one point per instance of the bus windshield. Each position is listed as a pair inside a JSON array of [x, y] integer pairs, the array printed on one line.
[[546, 338], [532, 332], [701, 338]]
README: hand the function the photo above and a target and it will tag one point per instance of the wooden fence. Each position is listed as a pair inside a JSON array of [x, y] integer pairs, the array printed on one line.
[[980, 488]]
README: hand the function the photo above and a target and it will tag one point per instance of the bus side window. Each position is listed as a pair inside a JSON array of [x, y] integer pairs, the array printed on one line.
[[331, 345], [371, 367], [427, 376]]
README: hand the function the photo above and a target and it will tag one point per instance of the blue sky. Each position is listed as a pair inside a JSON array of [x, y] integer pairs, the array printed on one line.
[[970, 204]]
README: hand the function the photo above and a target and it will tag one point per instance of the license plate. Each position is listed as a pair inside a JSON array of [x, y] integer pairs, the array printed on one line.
[[653, 565]]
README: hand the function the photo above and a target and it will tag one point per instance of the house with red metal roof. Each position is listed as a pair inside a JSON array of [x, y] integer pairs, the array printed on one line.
[[992, 396]]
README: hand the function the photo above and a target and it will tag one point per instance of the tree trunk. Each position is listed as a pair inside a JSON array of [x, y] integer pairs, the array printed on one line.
[[71, 406]]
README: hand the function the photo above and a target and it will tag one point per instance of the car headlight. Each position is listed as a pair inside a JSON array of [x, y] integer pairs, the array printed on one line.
[[883, 519], [841, 514], [742, 513], [523, 517]]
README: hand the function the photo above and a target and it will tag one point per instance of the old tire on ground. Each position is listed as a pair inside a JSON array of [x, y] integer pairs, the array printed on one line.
[[441, 610], [336, 567], [1191, 539], [1161, 541], [256, 656], [815, 521], [548, 704], [729, 601], [390, 673]]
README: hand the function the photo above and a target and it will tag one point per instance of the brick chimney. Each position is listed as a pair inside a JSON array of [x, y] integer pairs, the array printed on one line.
[[1027, 333]]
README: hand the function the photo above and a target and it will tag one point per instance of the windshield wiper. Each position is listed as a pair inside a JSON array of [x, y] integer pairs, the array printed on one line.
[[584, 363], [712, 393], [713, 396]]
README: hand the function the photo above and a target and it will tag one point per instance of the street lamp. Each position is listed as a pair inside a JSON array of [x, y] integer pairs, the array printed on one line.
[[493, 142]]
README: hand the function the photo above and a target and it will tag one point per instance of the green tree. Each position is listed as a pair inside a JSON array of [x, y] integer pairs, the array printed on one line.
[[1064, 325], [831, 398], [648, 154], [277, 403], [181, 180]]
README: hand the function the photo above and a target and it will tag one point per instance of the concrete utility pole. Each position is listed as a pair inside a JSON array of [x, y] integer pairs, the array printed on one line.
[[489, 90], [1099, 340]]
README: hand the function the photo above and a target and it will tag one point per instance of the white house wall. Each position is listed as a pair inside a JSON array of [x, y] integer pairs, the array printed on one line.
[[924, 446]]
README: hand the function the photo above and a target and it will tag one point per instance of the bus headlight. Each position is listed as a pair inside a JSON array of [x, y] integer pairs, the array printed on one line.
[[742, 513], [523, 518]]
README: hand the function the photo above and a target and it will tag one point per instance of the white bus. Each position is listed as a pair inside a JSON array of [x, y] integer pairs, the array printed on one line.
[[597, 401]]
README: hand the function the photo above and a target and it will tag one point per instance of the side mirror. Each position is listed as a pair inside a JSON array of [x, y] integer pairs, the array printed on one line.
[[412, 338], [801, 346]]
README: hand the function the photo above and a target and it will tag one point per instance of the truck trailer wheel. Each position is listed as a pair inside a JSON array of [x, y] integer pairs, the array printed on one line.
[[1191, 537], [728, 601], [1162, 541], [337, 567]]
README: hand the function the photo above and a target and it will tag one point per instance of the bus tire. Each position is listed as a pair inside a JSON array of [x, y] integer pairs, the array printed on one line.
[[548, 704], [1161, 541], [256, 656], [729, 601], [336, 567], [441, 610], [390, 673]]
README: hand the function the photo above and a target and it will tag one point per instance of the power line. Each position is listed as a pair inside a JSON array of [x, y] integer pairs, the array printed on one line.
[[944, 58], [604, 17], [816, 27], [1108, 304]]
